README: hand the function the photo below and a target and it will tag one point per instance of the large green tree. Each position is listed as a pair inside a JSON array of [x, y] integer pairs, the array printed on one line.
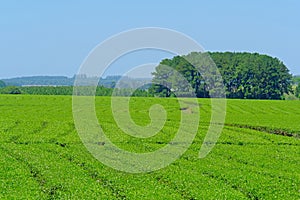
[[245, 75]]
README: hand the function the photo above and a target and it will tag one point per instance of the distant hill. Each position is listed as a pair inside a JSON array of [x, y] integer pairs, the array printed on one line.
[[109, 81], [39, 80]]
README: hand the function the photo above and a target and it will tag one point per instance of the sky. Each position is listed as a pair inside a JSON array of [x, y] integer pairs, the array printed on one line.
[[54, 37]]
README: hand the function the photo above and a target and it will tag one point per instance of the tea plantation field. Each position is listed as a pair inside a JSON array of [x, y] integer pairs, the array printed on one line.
[[42, 157]]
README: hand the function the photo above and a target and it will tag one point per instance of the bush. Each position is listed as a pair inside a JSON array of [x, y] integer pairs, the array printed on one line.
[[290, 96], [297, 91], [10, 90]]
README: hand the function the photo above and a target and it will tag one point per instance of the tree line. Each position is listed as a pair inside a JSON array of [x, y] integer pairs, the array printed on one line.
[[68, 90], [244, 76]]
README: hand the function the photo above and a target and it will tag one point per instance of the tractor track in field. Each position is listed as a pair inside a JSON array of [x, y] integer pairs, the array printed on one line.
[[265, 129], [256, 143], [276, 131]]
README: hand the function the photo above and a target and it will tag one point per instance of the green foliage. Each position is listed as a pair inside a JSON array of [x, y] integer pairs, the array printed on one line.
[[82, 90], [42, 156], [48, 90], [253, 76], [10, 90], [297, 91], [296, 79], [245, 75], [178, 77], [290, 96]]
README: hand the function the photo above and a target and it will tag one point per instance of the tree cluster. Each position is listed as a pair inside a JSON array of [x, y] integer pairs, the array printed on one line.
[[245, 75]]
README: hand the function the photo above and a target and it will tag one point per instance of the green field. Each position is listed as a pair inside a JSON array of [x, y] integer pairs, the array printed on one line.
[[42, 156]]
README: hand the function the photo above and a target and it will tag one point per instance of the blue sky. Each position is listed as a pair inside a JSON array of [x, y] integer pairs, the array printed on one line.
[[54, 37]]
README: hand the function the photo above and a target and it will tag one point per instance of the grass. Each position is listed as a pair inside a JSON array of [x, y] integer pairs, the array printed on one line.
[[42, 156]]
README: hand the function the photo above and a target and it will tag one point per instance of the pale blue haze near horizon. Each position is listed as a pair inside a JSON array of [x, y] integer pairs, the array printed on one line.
[[54, 37]]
